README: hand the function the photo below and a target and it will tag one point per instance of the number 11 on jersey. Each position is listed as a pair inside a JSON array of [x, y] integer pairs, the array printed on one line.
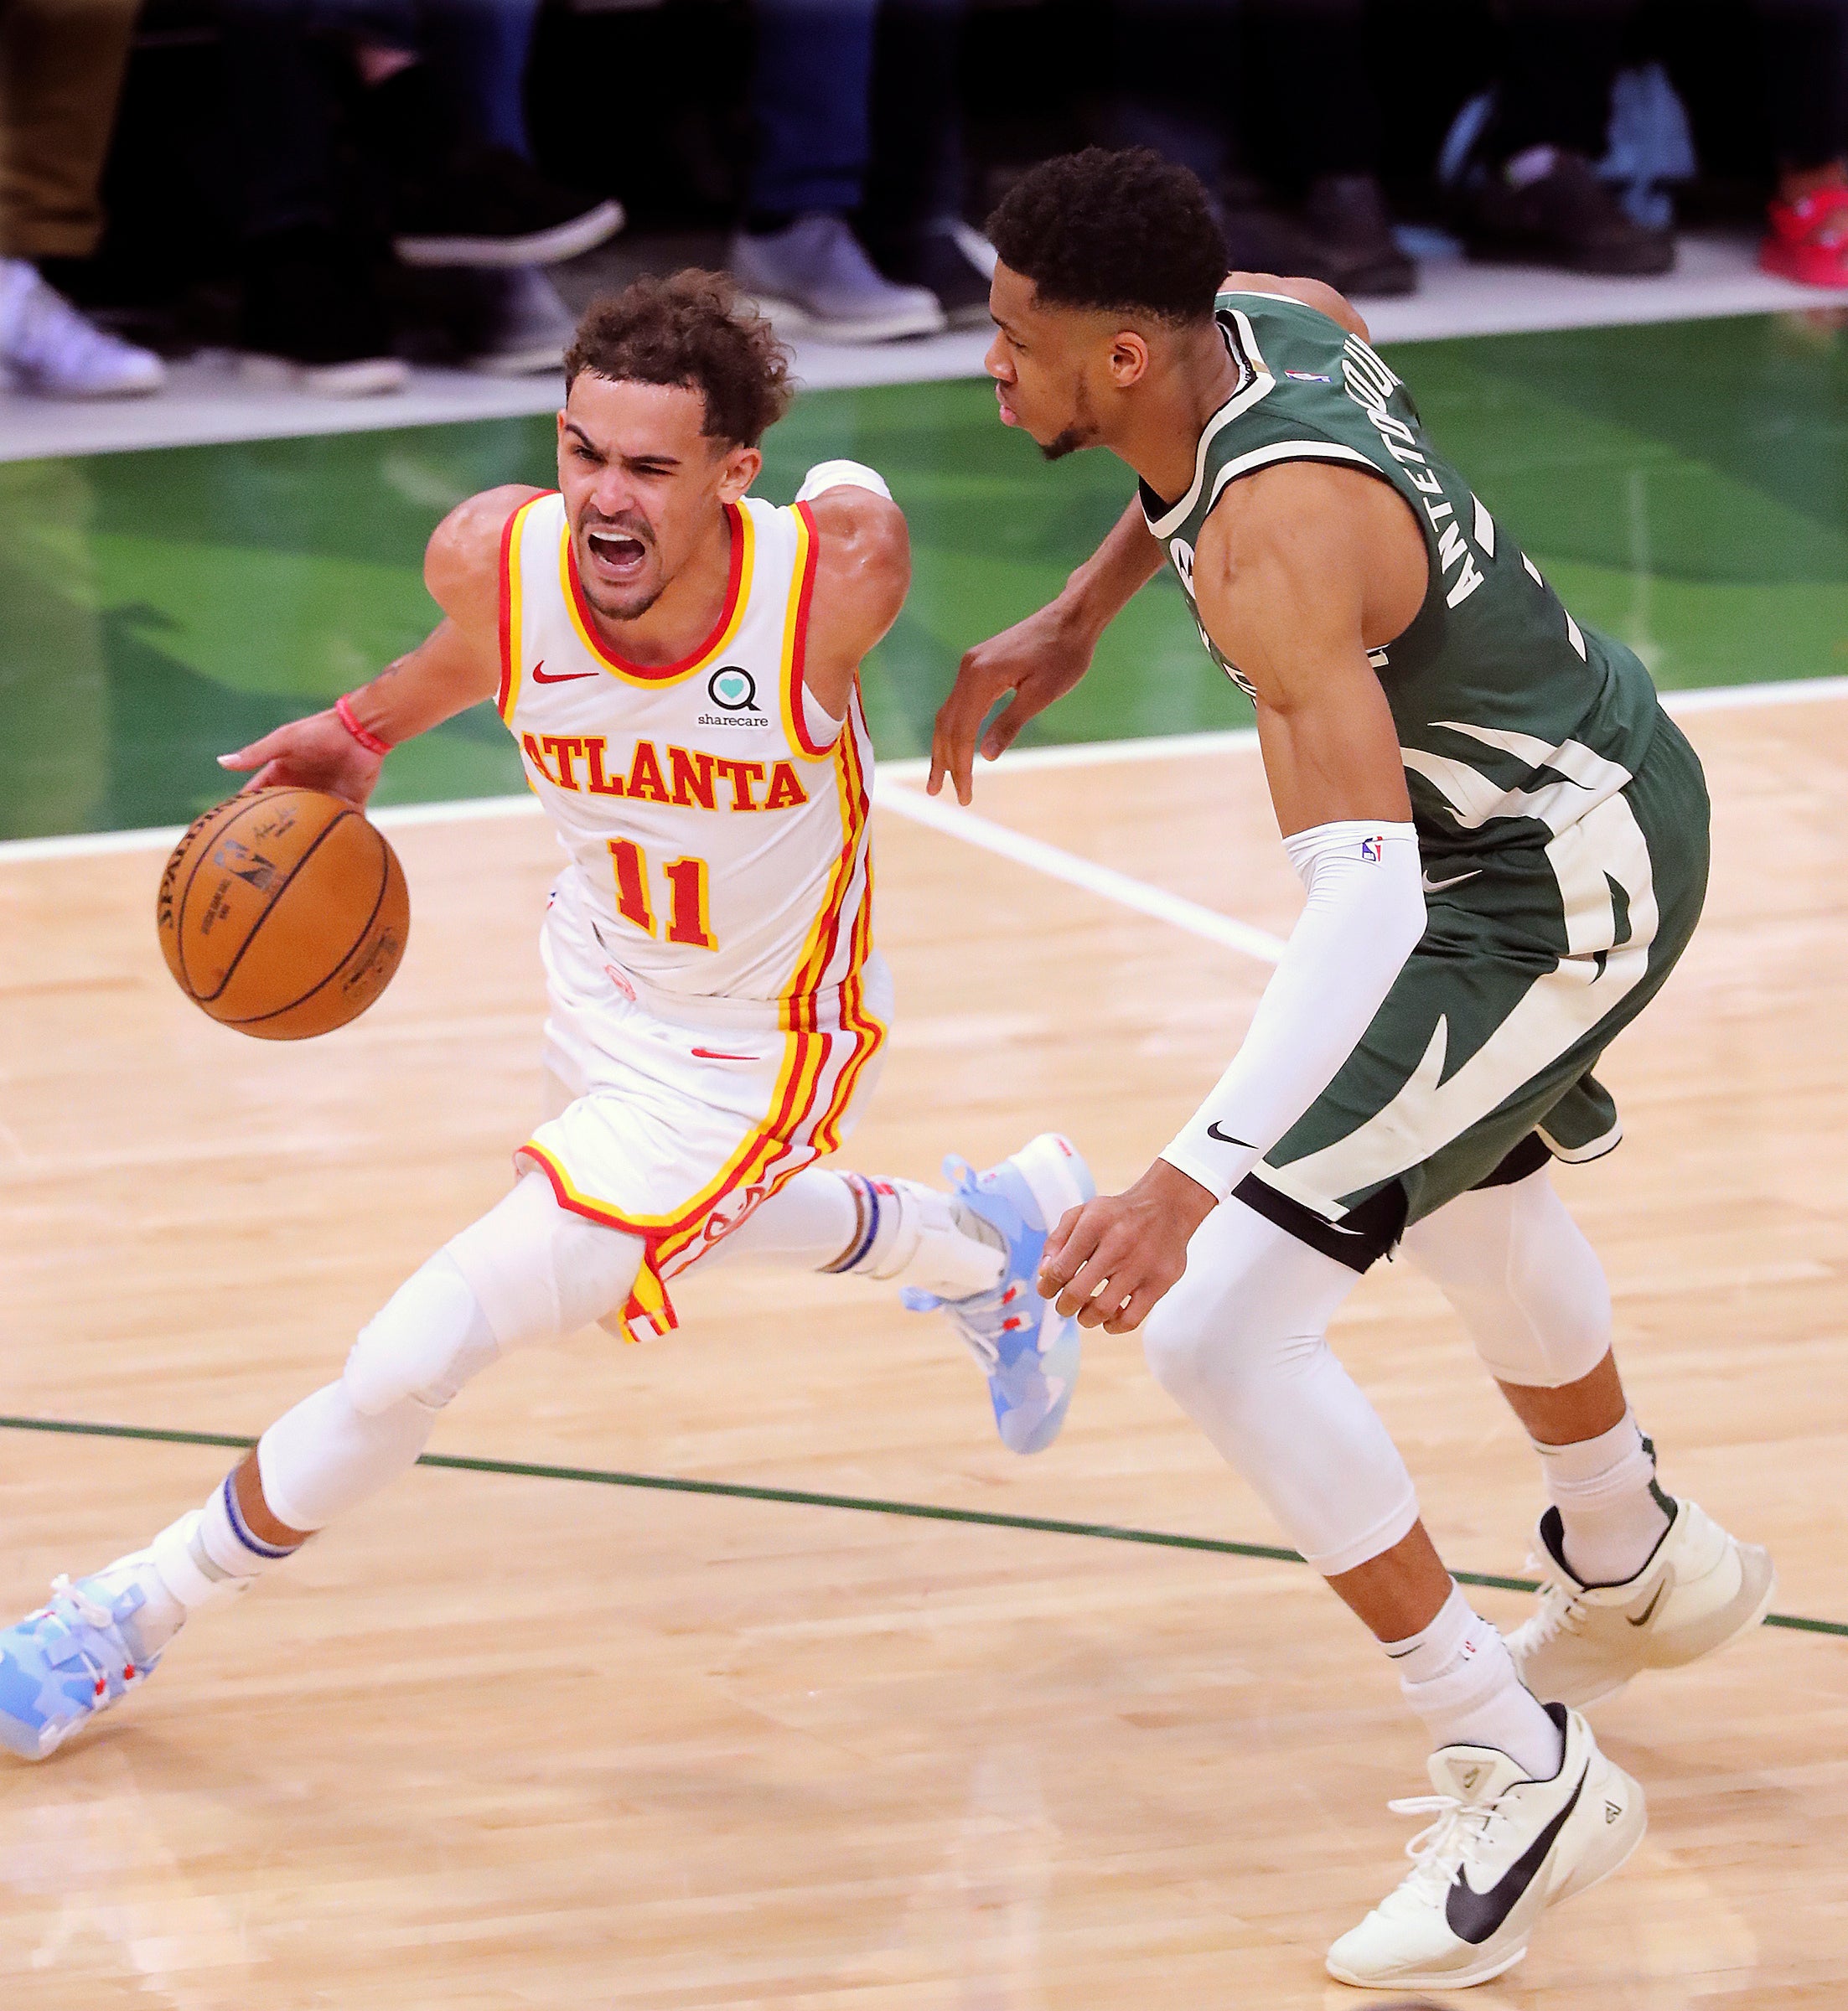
[[689, 905]]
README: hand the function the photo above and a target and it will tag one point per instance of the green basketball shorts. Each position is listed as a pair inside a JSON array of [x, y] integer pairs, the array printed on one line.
[[1478, 1064]]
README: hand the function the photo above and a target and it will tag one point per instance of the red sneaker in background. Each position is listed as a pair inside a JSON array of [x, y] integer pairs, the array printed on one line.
[[1808, 240]]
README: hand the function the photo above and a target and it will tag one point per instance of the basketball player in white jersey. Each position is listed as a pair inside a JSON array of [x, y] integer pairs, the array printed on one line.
[[678, 662]]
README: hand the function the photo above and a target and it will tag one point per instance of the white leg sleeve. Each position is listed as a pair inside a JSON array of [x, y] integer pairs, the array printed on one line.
[[1523, 1279], [809, 1221], [527, 1271], [1241, 1345]]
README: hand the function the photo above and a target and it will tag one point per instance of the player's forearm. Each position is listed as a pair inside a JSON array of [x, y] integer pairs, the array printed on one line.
[[1365, 914], [443, 675], [1099, 590]]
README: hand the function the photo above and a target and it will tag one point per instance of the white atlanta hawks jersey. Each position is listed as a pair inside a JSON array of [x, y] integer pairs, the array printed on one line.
[[721, 848]]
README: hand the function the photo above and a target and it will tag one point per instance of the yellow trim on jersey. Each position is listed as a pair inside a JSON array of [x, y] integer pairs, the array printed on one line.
[[513, 610], [740, 603]]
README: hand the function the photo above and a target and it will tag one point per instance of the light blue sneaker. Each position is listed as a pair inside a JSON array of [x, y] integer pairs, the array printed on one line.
[[1028, 1349], [67, 1662]]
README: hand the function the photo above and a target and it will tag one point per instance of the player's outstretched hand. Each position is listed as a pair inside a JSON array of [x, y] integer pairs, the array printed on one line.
[[1038, 660], [1111, 1261], [316, 752]]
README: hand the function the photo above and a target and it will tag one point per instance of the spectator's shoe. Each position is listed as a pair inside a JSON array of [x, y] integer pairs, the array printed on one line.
[[529, 329], [311, 315], [950, 259], [1500, 1850], [1346, 215], [486, 206], [70, 1660], [815, 278], [1261, 238], [1700, 1590], [1028, 1349], [1808, 240], [1547, 208], [47, 347]]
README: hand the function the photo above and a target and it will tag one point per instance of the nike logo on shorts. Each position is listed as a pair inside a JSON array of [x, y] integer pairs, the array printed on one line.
[[541, 676], [1225, 1138], [1436, 886]]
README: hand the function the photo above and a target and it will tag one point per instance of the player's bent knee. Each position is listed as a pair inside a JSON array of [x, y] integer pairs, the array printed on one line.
[[540, 1271], [424, 1343], [1524, 1280]]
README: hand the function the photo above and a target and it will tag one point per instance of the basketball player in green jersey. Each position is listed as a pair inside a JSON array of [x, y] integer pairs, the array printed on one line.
[[1503, 841]]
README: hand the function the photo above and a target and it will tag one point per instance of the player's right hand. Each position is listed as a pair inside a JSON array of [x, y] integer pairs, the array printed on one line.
[[1038, 660], [316, 752]]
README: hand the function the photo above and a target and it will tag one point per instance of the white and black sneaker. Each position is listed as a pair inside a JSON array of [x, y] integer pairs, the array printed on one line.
[[1700, 1590], [1500, 1850]]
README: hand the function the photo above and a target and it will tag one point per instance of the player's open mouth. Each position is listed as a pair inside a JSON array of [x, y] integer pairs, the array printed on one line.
[[619, 554], [1008, 416]]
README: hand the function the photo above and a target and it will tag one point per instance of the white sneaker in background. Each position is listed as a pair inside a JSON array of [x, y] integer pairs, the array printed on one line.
[[1500, 1850], [49, 348], [815, 278], [1701, 1590]]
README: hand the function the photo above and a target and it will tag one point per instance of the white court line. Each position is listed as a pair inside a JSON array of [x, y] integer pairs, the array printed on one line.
[[956, 822], [945, 815]]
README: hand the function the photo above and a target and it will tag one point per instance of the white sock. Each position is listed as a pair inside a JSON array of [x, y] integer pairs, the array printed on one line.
[[207, 1556], [1459, 1678], [1611, 1513], [906, 1230], [875, 1228]]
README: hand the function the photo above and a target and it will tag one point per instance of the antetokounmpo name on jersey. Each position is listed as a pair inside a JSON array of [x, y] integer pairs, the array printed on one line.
[[692, 780], [1370, 384]]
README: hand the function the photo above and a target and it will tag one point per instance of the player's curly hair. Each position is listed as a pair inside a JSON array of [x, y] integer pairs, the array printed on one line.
[[693, 329], [1126, 232]]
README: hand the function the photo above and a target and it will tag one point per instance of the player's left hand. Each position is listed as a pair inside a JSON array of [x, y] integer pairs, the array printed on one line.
[[1110, 1260]]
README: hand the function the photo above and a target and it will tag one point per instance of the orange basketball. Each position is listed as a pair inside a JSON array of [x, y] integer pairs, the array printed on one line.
[[283, 913]]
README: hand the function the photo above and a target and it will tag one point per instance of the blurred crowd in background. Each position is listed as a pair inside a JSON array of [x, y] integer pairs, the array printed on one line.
[[332, 189]]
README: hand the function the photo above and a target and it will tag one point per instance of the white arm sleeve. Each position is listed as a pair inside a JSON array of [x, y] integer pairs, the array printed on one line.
[[1365, 912], [840, 474]]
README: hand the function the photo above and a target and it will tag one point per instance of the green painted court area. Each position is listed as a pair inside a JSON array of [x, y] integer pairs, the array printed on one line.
[[1685, 486]]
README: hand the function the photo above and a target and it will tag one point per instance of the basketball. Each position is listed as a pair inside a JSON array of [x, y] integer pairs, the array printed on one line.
[[283, 913]]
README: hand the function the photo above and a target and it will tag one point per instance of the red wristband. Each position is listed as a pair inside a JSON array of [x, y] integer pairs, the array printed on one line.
[[343, 711]]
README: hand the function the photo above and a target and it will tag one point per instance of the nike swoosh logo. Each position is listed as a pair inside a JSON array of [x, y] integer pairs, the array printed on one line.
[[1643, 1618], [711, 1054], [1473, 1916], [541, 676], [1436, 886], [1225, 1138]]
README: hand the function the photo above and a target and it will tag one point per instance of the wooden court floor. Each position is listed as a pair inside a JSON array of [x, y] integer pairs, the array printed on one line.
[[513, 1740]]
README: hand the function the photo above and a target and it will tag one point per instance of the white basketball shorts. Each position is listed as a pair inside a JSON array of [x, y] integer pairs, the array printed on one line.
[[690, 1111]]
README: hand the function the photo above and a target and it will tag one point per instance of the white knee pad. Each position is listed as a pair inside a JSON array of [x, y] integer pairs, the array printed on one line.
[[1524, 1281], [528, 1271], [1240, 1345], [424, 1343], [540, 1271]]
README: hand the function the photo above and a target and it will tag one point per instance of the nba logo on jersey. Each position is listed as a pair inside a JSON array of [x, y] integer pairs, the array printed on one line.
[[1370, 849]]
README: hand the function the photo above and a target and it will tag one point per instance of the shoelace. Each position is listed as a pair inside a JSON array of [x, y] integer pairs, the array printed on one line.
[[1561, 1605], [1446, 1846], [90, 1611]]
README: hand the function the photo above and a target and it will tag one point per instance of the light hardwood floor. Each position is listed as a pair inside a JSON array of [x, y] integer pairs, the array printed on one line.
[[508, 1742]]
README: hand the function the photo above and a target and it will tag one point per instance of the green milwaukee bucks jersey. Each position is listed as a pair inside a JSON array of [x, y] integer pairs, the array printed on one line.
[[1514, 721]]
